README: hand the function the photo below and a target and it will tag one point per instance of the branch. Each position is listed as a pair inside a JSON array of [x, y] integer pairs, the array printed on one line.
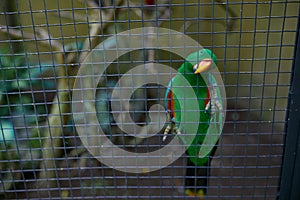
[[230, 21], [231, 18], [40, 35], [96, 29], [58, 114]]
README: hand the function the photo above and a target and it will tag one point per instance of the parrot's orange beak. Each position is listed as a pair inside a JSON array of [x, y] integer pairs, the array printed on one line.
[[202, 66]]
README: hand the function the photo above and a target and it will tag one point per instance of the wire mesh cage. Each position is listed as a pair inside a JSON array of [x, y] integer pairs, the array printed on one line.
[[116, 99]]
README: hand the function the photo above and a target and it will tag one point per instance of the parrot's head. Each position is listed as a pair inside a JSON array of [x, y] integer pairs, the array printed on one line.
[[202, 61]]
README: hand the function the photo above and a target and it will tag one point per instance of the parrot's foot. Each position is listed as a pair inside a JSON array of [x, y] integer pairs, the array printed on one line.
[[200, 193], [214, 105], [172, 127], [167, 130], [215, 102]]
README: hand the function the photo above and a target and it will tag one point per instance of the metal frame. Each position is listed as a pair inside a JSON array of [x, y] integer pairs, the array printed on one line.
[[290, 175]]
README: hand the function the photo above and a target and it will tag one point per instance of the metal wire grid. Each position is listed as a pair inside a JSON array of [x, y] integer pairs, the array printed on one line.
[[43, 44]]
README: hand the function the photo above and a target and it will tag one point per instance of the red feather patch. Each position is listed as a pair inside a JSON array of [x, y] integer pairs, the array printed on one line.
[[171, 106], [207, 97]]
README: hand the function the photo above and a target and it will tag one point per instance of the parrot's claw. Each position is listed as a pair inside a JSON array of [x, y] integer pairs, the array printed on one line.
[[169, 128], [176, 130], [214, 105]]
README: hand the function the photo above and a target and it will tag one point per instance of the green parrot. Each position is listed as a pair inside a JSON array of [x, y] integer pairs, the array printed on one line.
[[196, 65]]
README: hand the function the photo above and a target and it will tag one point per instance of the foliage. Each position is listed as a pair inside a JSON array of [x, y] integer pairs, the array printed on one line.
[[18, 81]]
